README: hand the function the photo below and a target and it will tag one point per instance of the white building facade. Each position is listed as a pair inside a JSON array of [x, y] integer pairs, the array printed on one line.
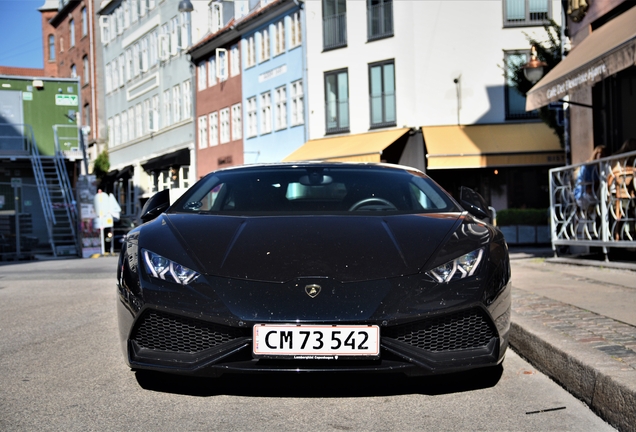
[[389, 69], [148, 96]]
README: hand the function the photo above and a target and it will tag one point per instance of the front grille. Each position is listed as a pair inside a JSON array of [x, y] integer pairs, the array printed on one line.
[[461, 330], [166, 332]]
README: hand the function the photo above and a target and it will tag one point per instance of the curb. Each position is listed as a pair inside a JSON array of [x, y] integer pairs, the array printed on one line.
[[593, 263], [595, 378]]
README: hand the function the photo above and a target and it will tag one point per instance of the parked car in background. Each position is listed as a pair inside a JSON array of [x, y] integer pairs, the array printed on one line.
[[114, 237]]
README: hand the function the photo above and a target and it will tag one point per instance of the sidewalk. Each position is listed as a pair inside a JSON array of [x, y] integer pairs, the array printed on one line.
[[577, 323]]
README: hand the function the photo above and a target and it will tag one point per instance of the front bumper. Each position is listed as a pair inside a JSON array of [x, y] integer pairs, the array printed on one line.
[[447, 342]]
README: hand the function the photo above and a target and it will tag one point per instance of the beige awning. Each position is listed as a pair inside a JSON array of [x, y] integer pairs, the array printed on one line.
[[608, 50], [366, 147], [480, 146]]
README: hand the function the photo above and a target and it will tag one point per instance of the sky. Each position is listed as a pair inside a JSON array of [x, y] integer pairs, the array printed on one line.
[[21, 27]]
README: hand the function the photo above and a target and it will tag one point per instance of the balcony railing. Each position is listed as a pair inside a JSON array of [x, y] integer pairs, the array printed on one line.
[[380, 21], [334, 31], [597, 211]]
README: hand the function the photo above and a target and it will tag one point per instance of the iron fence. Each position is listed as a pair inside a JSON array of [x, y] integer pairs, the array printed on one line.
[[594, 203]]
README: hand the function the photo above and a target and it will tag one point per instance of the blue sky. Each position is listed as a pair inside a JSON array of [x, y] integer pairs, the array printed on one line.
[[21, 26]]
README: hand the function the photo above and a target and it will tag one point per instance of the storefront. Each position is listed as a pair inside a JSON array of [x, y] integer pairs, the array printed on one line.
[[598, 78]]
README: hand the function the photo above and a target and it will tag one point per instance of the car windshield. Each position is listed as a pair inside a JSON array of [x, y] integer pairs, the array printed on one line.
[[315, 190]]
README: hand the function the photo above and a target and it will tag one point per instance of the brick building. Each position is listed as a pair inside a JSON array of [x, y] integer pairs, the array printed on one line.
[[69, 37]]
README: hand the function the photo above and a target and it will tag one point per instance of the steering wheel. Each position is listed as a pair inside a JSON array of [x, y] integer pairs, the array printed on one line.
[[386, 205]]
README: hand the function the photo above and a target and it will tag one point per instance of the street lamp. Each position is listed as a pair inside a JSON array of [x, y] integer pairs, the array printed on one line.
[[533, 70], [185, 6]]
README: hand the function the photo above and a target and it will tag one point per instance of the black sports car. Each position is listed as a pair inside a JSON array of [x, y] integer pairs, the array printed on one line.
[[314, 267]]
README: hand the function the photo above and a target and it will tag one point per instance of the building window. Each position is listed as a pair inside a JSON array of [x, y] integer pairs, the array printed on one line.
[[212, 71], [147, 113], [74, 71], [119, 24], [139, 121], [71, 26], [250, 55], [265, 46], [252, 125], [214, 128], [185, 38], [144, 55], [297, 103], [216, 16], [129, 64], [117, 131], [222, 69], [334, 24], [51, 48], [84, 22], [87, 70], [235, 65], [382, 94], [164, 43], [131, 123], [379, 19], [166, 108], [135, 9], [136, 53], [154, 48], [175, 36], [114, 68], [87, 115], [187, 100], [153, 114], [203, 132], [124, 128], [176, 103], [515, 101], [526, 12], [104, 27], [121, 69], [337, 101], [111, 132], [279, 41], [224, 115], [201, 75], [237, 122], [266, 113], [295, 36], [126, 7], [109, 78], [280, 98]]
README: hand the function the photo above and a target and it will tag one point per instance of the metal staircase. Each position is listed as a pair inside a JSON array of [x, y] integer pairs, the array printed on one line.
[[56, 196]]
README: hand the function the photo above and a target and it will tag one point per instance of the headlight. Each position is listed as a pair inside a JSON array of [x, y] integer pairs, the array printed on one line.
[[164, 269], [459, 268]]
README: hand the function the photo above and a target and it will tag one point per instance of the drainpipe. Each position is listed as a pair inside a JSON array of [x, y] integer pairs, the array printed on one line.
[[94, 128]]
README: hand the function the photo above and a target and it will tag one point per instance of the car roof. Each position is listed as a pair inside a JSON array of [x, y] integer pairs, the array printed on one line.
[[324, 164]]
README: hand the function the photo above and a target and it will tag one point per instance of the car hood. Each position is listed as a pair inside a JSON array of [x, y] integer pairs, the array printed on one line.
[[283, 248]]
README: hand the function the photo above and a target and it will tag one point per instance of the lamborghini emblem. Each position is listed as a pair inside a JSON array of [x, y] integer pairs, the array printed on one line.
[[312, 290]]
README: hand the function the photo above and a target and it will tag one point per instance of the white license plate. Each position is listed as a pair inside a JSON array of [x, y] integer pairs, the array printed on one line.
[[316, 341]]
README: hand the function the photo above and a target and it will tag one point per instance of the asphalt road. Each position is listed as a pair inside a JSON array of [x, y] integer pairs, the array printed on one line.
[[61, 369]]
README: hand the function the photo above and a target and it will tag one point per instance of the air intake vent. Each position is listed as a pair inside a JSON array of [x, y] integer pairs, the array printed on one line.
[[166, 332], [462, 330]]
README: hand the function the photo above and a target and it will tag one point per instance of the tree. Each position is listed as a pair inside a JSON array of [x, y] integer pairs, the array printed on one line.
[[548, 51], [101, 165]]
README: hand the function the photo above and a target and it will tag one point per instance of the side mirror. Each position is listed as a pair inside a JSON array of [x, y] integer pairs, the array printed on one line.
[[157, 204], [473, 203]]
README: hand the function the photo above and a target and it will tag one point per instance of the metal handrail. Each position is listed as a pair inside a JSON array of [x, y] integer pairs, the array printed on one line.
[[40, 181], [597, 210], [67, 189]]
